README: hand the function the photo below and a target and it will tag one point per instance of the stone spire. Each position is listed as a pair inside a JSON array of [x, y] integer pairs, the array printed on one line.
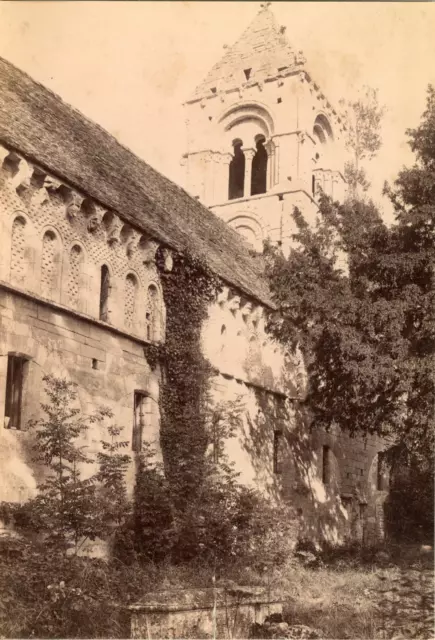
[[261, 52]]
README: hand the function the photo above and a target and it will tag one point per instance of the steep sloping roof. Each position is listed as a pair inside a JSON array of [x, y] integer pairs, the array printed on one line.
[[263, 48], [37, 123]]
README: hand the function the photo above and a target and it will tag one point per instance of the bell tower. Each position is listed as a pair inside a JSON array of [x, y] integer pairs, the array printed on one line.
[[262, 137]]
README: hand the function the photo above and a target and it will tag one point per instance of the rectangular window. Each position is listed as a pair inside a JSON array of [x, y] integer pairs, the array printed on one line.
[[141, 419], [326, 465], [277, 452], [14, 391]]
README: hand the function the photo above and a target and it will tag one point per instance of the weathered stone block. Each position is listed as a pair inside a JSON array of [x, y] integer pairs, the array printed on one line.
[[202, 613]]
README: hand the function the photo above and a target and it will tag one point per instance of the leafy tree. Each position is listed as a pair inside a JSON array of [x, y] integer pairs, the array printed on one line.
[[368, 331], [113, 464], [65, 505], [70, 508], [364, 118]]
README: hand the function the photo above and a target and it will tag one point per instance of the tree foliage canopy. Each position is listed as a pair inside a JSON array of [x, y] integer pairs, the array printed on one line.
[[359, 298]]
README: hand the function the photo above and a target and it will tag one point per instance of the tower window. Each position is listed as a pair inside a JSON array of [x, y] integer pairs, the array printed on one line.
[[259, 169], [247, 73], [14, 391], [237, 172], [326, 465]]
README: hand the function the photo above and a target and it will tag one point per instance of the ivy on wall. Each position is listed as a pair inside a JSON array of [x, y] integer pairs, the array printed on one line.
[[188, 290]]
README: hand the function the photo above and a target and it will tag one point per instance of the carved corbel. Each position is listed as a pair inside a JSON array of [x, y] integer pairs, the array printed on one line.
[[96, 217], [48, 186], [133, 242], [73, 204], [258, 317], [168, 260], [148, 248], [3, 153], [234, 304], [222, 296], [246, 310], [114, 234], [21, 180]]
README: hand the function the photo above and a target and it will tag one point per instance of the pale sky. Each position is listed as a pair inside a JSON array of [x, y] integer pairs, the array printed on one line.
[[130, 65]]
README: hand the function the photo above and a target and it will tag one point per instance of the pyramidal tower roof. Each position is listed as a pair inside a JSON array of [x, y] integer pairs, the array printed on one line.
[[262, 51]]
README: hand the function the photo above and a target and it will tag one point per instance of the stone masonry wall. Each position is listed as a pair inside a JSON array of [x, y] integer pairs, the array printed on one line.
[[55, 243]]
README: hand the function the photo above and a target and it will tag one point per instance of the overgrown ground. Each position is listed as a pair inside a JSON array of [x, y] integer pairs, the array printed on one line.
[[373, 595], [380, 599]]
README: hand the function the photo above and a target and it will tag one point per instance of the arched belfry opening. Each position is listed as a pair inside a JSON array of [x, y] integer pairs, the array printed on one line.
[[259, 167], [237, 172]]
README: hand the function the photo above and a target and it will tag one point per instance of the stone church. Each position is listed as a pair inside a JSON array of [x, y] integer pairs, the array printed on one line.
[[81, 221]]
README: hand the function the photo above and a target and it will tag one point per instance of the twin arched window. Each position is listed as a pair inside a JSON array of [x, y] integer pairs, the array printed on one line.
[[239, 174]]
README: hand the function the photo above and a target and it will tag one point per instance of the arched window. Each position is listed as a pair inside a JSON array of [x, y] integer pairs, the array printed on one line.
[[76, 260], [259, 168], [130, 302], [322, 130], [50, 266], [18, 264], [104, 293], [237, 172], [152, 313]]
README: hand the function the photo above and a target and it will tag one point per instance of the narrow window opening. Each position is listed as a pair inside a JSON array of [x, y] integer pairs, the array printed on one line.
[[279, 100], [277, 452], [148, 323], [313, 185], [141, 419], [14, 391], [326, 465], [247, 73], [95, 363], [259, 169], [213, 89], [381, 480], [152, 315], [104, 293], [237, 172]]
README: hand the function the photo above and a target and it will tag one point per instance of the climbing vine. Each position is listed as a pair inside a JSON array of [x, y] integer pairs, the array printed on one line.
[[188, 290]]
